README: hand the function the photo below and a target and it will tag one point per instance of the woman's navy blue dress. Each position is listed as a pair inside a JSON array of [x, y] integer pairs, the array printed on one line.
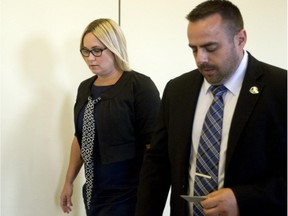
[[115, 184]]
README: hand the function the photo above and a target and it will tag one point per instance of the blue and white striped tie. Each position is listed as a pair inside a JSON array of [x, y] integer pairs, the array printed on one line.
[[206, 178]]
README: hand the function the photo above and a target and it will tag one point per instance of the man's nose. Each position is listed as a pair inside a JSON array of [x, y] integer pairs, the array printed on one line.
[[201, 56]]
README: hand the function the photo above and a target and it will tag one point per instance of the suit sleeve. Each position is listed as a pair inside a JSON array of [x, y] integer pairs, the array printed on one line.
[[155, 174], [257, 173], [147, 103]]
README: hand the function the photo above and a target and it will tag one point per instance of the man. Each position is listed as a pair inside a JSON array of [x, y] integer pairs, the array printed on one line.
[[251, 172]]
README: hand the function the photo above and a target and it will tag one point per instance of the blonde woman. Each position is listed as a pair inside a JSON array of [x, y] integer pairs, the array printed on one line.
[[114, 116]]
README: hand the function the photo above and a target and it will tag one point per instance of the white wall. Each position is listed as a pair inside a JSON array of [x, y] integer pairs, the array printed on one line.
[[41, 68]]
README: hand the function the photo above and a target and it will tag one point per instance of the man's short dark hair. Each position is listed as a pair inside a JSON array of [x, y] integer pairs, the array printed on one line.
[[230, 14]]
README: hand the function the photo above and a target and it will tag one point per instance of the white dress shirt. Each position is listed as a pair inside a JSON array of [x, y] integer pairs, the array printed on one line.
[[204, 101]]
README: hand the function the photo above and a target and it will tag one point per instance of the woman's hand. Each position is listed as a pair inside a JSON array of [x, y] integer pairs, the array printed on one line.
[[65, 199]]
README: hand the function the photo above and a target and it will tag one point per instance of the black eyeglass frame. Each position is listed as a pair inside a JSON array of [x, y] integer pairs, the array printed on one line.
[[97, 52]]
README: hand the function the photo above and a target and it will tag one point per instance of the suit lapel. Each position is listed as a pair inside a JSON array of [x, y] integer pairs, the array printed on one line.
[[186, 117], [250, 92], [191, 101]]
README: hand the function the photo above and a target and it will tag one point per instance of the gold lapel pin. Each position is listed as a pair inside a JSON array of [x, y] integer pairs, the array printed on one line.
[[254, 90]]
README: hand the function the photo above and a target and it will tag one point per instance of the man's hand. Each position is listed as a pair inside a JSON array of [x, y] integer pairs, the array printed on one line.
[[220, 203]]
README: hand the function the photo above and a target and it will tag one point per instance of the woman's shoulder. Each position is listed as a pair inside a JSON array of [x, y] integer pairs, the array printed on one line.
[[85, 87], [137, 77], [88, 81], [136, 74], [139, 81]]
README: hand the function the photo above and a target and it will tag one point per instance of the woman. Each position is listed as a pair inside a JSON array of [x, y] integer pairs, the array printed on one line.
[[114, 116]]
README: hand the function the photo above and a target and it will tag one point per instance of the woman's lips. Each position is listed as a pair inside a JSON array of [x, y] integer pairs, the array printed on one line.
[[93, 66]]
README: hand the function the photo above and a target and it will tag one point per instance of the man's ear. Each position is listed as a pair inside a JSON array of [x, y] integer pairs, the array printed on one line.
[[241, 38]]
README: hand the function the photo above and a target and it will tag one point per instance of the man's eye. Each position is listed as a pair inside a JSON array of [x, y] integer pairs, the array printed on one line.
[[194, 50], [211, 49]]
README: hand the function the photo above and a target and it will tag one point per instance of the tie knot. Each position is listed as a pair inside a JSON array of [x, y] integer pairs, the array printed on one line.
[[93, 101], [218, 90]]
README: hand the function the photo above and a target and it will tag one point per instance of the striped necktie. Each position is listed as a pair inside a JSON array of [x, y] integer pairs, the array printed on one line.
[[207, 161]]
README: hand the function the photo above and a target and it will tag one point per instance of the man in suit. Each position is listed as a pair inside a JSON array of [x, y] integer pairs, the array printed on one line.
[[252, 170]]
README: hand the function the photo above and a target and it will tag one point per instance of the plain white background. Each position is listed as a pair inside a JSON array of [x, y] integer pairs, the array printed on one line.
[[41, 68]]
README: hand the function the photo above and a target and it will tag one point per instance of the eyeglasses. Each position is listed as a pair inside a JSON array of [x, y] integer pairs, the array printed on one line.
[[95, 52]]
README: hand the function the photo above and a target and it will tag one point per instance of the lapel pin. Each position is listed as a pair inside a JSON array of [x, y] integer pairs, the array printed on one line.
[[254, 90]]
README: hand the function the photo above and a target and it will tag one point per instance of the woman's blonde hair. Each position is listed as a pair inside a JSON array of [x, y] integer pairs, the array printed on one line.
[[110, 34]]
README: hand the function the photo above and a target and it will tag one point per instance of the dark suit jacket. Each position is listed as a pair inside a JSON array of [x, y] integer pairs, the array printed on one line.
[[256, 164], [126, 116]]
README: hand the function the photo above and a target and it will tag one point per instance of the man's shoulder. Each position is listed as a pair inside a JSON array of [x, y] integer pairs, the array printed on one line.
[[187, 78], [264, 67]]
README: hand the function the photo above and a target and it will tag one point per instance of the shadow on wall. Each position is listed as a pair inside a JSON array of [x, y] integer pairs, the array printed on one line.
[[39, 142]]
